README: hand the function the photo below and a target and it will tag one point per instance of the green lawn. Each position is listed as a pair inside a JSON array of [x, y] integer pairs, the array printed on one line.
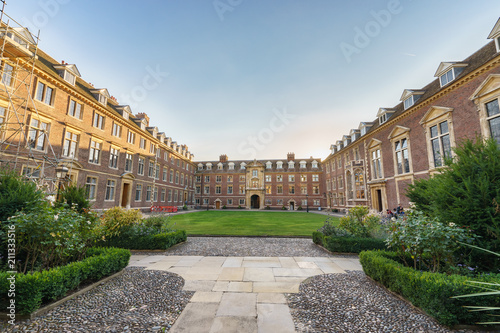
[[251, 223]]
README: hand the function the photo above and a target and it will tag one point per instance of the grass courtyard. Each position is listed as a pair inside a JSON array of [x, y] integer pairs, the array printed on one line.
[[249, 223]]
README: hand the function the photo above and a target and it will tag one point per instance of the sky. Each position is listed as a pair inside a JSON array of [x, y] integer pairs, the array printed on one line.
[[257, 78]]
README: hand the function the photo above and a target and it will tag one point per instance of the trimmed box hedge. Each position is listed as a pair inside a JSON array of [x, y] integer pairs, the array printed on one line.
[[348, 244], [34, 289], [148, 242], [431, 292]]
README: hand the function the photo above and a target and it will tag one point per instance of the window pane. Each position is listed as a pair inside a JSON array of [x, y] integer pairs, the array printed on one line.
[[492, 108], [436, 152], [443, 127], [495, 128], [404, 143], [445, 140], [434, 131]]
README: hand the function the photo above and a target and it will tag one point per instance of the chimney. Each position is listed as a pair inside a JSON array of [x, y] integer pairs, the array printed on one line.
[[223, 158], [142, 115], [290, 157]]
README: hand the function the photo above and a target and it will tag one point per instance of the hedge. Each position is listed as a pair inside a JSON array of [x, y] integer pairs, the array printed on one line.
[[431, 292], [34, 289], [348, 244], [148, 242]]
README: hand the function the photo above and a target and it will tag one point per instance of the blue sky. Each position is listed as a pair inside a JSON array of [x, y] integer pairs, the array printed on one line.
[[256, 78]]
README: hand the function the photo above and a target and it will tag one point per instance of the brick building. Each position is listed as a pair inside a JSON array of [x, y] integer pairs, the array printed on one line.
[[374, 164], [290, 183], [52, 121]]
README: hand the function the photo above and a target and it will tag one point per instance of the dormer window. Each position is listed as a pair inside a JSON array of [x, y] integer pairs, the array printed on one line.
[[333, 149], [384, 114], [231, 165], [346, 139], [303, 164], [200, 166], [495, 34], [269, 165], [279, 165], [68, 72], [410, 97], [340, 145], [364, 127], [125, 111], [209, 166], [101, 95], [354, 133], [20, 36], [219, 166], [314, 164], [291, 164], [243, 166], [448, 71]]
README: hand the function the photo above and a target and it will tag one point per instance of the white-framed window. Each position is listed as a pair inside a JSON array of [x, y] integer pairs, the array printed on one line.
[[229, 201], [315, 178], [230, 189], [279, 202], [493, 119], [91, 188], [157, 171], [450, 75], [218, 179], [402, 156], [176, 195], [164, 175], [304, 202], [163, 194], [169, 195], [269, 202], [70, 144], [242, 189], [3, 114], [359, 184], [142, 143], [242, 178], [279, 178], [151, 169], [113, 157], [152, 148], [316, 202], [291, 178], [98, 121], [376, 161], [269, 165], [31, 172], [229, 179], [242, 202], [291, 164], [303, 164], [314, 164], [7, 74], [140, 166], [177, 177], [131, 137], [117, 130], [38, 133], [206, 189], [155, 194], [268, 178], [303, 190], [198, 179], [219, 166], [440, 143], [255, 173], [95, 151], [209, 166], [75, 109], [291, 189], [44, 93], [279, 189], [110, 190], [171, 176], [218, 189], [182, 179], [198, 189], [129, 159], [149, 189], [231, 166], [303, 178]]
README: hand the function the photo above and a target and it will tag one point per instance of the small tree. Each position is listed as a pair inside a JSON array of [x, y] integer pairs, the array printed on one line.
[[358, 222], [467, 193], [75, 196]]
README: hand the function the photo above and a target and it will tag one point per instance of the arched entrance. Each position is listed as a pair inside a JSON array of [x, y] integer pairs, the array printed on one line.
[[255, 201]]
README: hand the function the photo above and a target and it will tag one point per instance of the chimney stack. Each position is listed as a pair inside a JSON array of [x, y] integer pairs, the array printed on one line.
[[223, 158], [290, 157]]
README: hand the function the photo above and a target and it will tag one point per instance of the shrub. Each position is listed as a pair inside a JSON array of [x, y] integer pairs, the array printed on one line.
[[157, 223], [358, 222], [329, 229], [224, 207], [299, 208], [351, 244], [467, 193], [318, 237], [185, 207], [427, 241], [17, 194], [49, 237], [160, 241], [431, 292], [116, 218], [283, 208], [268, 208], [41, 287], [75, 196]]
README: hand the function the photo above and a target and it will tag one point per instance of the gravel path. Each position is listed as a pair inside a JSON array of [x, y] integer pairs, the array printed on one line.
[[146, 301]]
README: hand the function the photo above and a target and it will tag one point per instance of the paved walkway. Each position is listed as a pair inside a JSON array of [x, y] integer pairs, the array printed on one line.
[[241, 294]]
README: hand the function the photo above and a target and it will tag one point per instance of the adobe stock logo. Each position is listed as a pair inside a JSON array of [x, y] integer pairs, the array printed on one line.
[[150, 82], [363, 37], [223, 6], [48, 9], [254, 143]]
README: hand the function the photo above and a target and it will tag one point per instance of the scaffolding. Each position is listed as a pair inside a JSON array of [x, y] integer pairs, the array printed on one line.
[[23, 146]]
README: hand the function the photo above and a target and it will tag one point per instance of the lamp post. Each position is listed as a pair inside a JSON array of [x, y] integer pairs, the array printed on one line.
[[307, 203], [61, 173]]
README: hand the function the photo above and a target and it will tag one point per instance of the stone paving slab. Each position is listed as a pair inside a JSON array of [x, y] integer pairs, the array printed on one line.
[[241, 294]]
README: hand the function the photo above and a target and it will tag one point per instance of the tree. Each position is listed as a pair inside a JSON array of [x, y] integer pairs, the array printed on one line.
[[467, 192]]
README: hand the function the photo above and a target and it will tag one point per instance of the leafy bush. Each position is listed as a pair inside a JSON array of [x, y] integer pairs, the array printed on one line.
[[467, 193], [157, 223], [160, 241], [224, 207], [358, 222], [17, 194], [283, 208], [185, 207], [351, 244], [299, 208], [426, 240], [75, 196], [116, 219], [432, 292], [329, 229], [50, 236], [32, 290]]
